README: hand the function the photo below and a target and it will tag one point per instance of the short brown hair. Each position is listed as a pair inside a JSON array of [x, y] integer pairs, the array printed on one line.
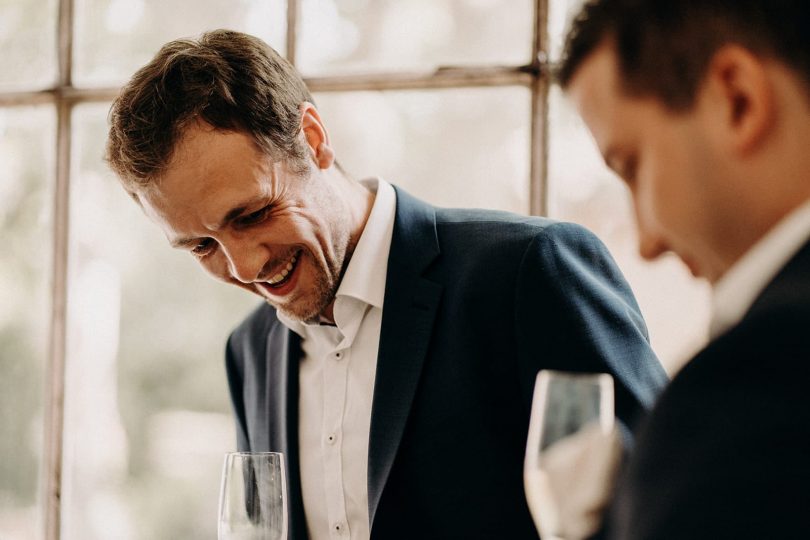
[[664, 46], [230, 80]]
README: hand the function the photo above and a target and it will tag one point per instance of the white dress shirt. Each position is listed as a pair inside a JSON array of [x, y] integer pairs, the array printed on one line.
[[336, 385], [735, 292]]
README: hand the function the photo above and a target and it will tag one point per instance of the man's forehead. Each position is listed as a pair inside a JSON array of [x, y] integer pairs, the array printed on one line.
[[198, 143], [596, 93], [187, 202], [597, 76], [206, 159]]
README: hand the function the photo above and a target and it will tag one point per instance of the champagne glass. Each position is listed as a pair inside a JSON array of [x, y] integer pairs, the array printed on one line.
[[253, 498], [569, 459]]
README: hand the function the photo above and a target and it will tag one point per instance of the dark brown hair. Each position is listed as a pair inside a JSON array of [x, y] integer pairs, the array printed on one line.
[[664, 46], [230, 80]]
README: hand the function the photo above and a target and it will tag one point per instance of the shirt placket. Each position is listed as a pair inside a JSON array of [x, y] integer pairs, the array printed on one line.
[[335, 381]]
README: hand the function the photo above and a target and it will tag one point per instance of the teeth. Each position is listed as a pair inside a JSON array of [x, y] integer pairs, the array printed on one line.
[[284, 272]]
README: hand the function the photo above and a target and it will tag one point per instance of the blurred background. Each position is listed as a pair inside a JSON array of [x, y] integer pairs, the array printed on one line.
[[446, 98]]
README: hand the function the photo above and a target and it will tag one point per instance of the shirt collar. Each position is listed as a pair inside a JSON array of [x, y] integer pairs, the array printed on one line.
[[364, 279], [735, 292], [365, 276]]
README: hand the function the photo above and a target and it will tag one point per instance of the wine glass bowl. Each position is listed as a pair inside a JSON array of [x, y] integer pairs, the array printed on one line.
[[253, 497], [569, 453]]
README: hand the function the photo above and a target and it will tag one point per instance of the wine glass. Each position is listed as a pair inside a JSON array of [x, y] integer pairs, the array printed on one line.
[[570, 454], [253, 498]]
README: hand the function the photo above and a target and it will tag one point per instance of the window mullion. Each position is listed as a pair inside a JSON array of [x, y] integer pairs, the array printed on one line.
[[443, 77], [538, 168], [55, 384], [292, 29]]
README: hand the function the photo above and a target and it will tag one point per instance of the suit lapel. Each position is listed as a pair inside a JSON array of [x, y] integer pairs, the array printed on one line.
[[283, 358], [408, 315]]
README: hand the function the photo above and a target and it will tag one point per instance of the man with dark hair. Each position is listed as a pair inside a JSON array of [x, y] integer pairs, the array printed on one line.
[[703, 109], [394, 358]]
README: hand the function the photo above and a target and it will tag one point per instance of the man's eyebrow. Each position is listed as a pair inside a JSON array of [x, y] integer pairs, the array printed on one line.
[[232, 214], [181, 243]]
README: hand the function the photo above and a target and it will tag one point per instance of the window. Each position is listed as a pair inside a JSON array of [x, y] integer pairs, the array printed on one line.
[[114, 411]]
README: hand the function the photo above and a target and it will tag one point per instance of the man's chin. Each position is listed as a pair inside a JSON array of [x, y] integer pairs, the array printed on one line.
[[702, 269], [694, 269], [304, 314]]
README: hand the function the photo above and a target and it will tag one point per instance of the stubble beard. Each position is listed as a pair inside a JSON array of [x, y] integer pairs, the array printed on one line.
[[327, 280], [327, 277]]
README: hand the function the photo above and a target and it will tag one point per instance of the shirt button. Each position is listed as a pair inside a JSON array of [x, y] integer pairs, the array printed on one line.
[[338, 355], [331, 438], [339, 527]]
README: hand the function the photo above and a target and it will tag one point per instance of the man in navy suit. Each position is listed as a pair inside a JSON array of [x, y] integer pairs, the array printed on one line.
[[703, 108], [394, 358]]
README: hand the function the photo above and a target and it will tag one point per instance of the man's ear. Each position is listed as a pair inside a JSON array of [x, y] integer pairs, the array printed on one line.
[[738, 84], [316, 136]]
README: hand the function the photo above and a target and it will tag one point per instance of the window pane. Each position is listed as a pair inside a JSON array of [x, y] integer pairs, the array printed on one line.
[[147, 416], [463, 147], [27, 148], [583, 190], [28, 42], [560, 13], [116, 37], [366, 35]]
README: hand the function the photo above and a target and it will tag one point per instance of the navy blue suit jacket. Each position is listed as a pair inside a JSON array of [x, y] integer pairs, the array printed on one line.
[[726, 451], [476, 303]]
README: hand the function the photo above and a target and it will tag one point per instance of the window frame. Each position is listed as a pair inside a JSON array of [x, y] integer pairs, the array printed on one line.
[[64, 96]]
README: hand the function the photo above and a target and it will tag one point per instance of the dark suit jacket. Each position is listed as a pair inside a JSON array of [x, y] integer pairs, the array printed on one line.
[[476, 303], [726, 451]]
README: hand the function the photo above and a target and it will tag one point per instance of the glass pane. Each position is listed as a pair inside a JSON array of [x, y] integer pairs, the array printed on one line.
[[28, 42], [27, 148], [366, 35], [116, 37], [583, 190], [560, 14], [463, 147], [147, 416]]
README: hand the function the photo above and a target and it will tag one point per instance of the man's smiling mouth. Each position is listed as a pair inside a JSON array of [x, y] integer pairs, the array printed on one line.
[[281, 277]]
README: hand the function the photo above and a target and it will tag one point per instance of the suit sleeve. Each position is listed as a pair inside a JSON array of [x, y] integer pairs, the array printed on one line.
[[576, 312]]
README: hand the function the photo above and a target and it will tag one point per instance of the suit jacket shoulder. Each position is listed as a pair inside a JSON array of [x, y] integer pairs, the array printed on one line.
[[564, 286]]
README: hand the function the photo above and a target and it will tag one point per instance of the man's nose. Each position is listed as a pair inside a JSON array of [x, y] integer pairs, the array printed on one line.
[[651, 245], [245, 260]]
